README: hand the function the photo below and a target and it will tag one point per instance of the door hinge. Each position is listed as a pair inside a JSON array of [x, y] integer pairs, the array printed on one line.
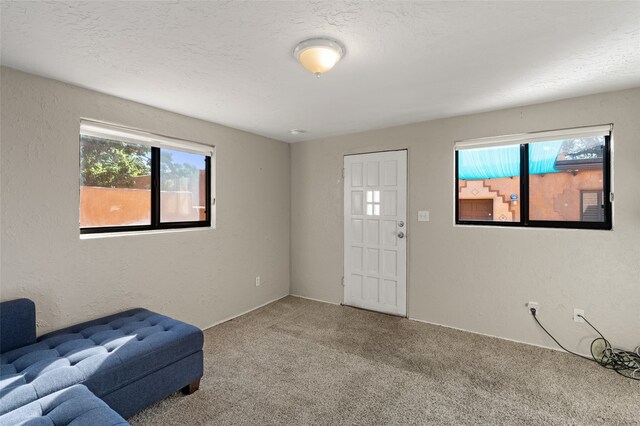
[[343, 172], [342, 281], [611, 197], [213, 201]]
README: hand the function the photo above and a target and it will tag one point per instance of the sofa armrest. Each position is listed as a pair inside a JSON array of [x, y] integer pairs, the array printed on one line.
[[17, 324]]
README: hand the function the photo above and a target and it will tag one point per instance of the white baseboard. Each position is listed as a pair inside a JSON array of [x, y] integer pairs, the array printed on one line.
[[315, 300], [461, 329], [495, 337], [245, 312]]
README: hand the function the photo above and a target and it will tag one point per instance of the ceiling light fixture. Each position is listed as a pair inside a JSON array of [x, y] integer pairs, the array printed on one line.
[[297, 131], [319, 55]]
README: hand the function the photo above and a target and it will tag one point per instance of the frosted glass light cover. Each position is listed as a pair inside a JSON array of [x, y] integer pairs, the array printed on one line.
[[319, 55], [319, 60]]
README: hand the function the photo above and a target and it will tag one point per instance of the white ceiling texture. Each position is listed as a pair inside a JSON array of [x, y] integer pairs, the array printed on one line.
[[231, 62]]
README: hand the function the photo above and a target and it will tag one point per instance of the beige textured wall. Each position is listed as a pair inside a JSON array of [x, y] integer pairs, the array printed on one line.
[[200, 276], [479, 278]]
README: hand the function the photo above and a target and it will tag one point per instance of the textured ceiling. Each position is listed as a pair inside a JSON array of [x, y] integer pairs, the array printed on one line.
[[231, 62]]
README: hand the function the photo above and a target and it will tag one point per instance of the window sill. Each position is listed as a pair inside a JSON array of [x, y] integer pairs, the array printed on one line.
[[529, 228], [153, 231]]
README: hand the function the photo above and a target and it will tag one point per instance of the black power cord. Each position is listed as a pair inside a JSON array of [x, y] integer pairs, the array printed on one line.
[[625, 363]]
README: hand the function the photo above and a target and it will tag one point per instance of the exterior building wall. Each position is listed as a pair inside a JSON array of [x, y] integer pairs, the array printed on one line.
[[500, 191], [132, 206], [554, 196], [129, 206], [114, 206]]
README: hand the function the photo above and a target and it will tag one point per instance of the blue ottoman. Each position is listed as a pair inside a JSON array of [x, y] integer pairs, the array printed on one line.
[[129, 360], [74, 406]]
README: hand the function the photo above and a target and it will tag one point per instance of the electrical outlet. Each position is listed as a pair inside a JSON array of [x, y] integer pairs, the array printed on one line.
[[257, 281], [533, 305], [577, 312], [423, 216]]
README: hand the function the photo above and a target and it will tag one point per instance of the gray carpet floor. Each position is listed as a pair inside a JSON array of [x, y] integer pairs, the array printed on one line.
[[297, 362]]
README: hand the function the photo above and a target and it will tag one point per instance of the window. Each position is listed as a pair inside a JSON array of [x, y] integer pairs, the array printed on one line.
[[549, 179], [133, 181], [373, 203], [489, 184]]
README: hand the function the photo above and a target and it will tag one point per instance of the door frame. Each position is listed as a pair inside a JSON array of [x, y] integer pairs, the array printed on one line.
[[407, 249]]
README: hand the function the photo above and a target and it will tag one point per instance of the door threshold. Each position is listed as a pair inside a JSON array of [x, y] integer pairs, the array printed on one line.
[[375, 312]]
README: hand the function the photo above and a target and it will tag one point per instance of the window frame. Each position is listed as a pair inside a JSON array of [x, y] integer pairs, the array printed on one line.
[[155, 209], [524, 197]]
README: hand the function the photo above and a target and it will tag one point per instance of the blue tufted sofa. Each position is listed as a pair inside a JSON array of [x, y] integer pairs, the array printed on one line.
[[128, 360], [74, 406]]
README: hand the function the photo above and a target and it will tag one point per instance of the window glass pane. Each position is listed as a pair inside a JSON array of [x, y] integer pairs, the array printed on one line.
[[115, 183], [489, 184], [182, 186], [566, 180], [369, 209]]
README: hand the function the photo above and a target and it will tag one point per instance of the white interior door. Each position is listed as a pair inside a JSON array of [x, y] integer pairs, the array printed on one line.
[[375, 227]]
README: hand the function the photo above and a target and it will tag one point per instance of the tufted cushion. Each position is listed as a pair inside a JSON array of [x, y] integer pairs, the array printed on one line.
[[75, 406], [105, 354]]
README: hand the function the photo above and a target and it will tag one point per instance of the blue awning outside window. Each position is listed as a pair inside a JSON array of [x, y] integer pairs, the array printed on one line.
[[504, 161]]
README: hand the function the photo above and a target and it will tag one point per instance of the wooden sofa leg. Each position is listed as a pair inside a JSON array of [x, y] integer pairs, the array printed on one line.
[[191, 387]]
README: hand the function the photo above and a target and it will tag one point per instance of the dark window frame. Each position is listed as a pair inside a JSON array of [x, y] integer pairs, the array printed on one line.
[[154, 206], [524, 197]]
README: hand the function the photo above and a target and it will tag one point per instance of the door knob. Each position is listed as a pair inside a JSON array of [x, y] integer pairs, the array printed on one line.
[[400, 234], [400, 224]]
